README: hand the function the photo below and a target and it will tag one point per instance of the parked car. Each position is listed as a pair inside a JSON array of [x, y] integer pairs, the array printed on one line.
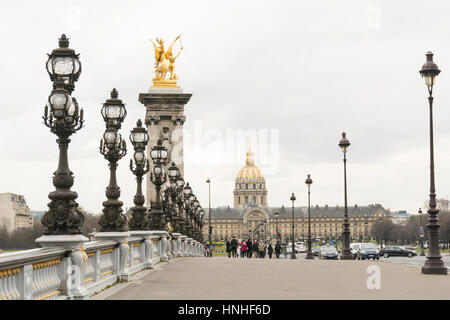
[[315, 250], [289, 248], [397, 251], [367, 251], [300, 247], [354, 247], [328, 252]]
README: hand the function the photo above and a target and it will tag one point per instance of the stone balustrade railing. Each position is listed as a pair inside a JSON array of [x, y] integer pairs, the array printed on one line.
[[58, 273]]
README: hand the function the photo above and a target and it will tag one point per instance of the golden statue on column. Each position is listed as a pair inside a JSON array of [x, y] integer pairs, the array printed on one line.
[[165, 76]]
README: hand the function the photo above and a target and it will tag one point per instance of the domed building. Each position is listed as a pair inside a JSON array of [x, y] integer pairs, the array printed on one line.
[[251, 217]]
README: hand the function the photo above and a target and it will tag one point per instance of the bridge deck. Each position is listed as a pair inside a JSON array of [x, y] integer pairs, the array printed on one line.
[[223, 278]]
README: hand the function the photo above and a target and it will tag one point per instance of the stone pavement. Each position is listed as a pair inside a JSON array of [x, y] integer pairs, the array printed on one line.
[[224, 278]]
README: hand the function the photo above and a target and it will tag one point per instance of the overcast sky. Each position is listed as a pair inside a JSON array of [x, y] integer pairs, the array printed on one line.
[[300, 72]]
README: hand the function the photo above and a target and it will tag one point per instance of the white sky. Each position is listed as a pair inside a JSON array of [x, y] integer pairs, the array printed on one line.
[[304, 70]]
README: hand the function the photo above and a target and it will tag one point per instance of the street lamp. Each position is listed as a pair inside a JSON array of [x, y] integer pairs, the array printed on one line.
[[309, 254], [63, 63], [293, 256], [158, 177], [139, 138], [422, 253], [113, 148], [63, 216], [172, 215], [434, 263], [209, 212], [365, 228], [346, 253], [381, 232]]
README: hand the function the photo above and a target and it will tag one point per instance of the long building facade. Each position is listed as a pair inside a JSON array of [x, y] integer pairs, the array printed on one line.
[[14, 212], [251, 217]]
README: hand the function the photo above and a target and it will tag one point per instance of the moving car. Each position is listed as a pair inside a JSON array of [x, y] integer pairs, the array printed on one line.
[[328, 252], [397, 251], [315, 250], [408, 247], [367, 251]]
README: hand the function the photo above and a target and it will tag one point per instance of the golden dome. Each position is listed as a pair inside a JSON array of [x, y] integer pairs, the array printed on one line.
[[250, 172]]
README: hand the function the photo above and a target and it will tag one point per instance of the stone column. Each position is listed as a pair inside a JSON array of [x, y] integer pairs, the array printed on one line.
[[183, 245], [122, 251], [148, 245], [162, 243], [155, 253], [164, 119], [75, 264], [176, 249]]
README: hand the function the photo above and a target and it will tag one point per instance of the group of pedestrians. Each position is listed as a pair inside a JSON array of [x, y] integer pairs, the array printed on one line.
[[255, 249]]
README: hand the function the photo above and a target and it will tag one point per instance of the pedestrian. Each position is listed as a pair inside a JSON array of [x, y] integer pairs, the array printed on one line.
[[261, 249], [270, 250], [249, 248], [243, 249], [234, 245], [229, 249], [255, 249], [278, 249]]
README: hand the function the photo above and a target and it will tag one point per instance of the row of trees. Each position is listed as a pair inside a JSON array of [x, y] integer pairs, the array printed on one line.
[[25, 238]]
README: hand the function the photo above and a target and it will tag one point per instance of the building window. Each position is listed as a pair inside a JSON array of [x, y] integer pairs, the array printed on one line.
[[262, 200], [254, 186], [246, 186], [246, 200]]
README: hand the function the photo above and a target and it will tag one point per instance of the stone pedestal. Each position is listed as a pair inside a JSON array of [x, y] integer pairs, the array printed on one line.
[[77, 261], [169, 247], [189, 247], [162, 243], [121, 252], [148, 246], [164, 119], [175, 240], [183, 246]]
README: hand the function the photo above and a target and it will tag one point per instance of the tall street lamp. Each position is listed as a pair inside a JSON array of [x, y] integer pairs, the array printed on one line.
[[381, 232], [139, 138], [293, 256], [346, 253], [422, 253], [113, 148], [434, 263], [309, 254], [158, 177], [209, 211]]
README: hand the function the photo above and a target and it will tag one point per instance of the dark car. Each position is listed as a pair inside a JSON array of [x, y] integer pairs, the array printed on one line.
[[328, 252], [396, 251], [367, 251], [315, 250]]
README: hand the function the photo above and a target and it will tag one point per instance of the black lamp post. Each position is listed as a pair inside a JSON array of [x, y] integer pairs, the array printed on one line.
[[293, 256], [381, 232], [113, 148], [346, 253], [171, 206], [422, 252], [63, 63], [365, 229], [139, 138], [179, 199], [434, 263], [309, 254], [187, 191], [277, 214], [65, 118], [158, 177], [209, 211]]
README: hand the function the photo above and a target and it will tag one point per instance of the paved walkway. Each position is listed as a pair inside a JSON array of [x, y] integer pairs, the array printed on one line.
[[223, 278]]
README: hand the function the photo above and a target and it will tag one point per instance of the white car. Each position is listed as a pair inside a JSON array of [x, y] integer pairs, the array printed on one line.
[[354, 247], [300, 247]]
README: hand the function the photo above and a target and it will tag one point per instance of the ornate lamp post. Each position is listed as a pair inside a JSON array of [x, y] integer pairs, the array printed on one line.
[[346, 253], [309, 254], [422, 252], [434, 263], [175, 217], [113, 148], [381, 231], [139, 138], [187, 191], [158, 177], [209, 211], [63, 63], [293, 256], [365, 229]]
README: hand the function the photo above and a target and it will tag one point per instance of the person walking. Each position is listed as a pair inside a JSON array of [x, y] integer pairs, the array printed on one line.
[[243, 249], [255, 248], [270, 250], [278, 249], [249, 248], [234, 245], [261, 249], [228, 248]]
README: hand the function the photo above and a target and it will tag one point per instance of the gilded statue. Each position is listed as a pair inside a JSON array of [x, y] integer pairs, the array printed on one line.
[[165, 64]]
